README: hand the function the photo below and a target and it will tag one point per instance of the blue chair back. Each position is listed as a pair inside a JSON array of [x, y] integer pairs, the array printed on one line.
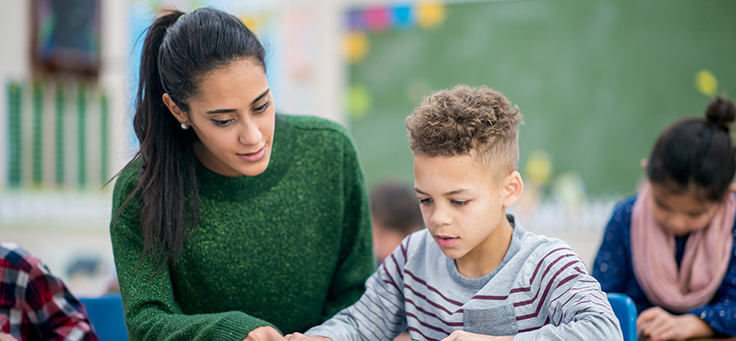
[[108, 319], [625, 310]]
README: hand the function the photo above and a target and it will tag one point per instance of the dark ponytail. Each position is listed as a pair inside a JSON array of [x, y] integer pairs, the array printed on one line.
[[177, 52], [696, 154]]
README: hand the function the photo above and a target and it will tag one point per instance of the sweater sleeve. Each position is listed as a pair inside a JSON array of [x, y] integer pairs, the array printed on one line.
[[720, 313], [380, 313], [611, 262], [151, 311], [576, 308], [355, 263]]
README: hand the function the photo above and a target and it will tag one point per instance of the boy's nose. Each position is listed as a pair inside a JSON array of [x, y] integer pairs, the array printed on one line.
[[440, 218]]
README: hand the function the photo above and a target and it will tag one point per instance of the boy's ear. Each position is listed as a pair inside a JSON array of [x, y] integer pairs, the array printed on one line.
[[513, 188], [643, 163], [179, 114]]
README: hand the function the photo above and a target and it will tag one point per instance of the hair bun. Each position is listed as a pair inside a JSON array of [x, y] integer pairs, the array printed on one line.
[[722, 112]]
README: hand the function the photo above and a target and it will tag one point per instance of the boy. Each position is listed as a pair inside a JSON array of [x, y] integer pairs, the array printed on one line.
[[473, 270]]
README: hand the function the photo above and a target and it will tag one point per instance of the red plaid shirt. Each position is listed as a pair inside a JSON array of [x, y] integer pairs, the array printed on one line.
[[36, 305]]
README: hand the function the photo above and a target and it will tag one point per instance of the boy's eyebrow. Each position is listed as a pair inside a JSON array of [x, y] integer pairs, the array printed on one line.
[[457, 191], [225, 111]]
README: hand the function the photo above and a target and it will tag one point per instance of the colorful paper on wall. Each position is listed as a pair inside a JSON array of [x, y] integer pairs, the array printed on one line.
[[427, 15]]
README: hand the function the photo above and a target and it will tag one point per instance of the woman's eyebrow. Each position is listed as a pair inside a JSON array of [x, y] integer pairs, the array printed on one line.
[[261, 96], [225, 111], [221, 111]]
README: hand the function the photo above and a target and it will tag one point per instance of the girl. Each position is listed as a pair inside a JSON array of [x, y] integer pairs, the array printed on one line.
[[232, 222], [670, 247]]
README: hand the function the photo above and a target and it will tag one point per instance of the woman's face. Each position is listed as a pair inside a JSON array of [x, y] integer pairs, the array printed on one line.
[[233, 115], [680, 214]]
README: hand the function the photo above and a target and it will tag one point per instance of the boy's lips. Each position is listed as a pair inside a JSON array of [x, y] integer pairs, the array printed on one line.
[[445, 241]]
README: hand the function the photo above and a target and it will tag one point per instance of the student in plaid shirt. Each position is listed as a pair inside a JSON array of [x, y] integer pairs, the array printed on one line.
[[36, 305]]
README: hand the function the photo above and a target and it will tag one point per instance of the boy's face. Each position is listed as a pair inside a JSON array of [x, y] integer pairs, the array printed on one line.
[[462, 205]]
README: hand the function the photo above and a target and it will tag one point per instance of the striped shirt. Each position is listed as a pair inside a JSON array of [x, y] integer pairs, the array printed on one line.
[[540, 291], [36, 305]]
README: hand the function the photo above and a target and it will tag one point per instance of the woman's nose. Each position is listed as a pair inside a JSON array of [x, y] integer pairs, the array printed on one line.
[[250, 134]]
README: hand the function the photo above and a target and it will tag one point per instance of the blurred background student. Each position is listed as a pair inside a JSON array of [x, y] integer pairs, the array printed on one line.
[[394, 215], [35, 304], [671, 247]]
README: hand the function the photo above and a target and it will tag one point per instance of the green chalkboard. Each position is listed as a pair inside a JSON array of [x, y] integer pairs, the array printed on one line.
[[595, 80]]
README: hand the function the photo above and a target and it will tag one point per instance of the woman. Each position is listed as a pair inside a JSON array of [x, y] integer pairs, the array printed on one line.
[[232, 222]]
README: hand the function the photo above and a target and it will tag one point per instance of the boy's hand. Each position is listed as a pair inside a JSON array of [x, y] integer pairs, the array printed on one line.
[[264, 333], [302, 337], [460, 335], [656, 324]]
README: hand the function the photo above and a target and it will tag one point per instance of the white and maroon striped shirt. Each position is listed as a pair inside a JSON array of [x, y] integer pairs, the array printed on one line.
[[540, 291]]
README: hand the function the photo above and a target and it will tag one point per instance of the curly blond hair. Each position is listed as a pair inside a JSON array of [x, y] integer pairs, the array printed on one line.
[[467, 121]]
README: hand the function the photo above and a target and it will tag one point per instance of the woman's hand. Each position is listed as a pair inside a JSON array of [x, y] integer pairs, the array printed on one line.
[[7, 337], [656, 324], [264, 333], [460, 335], [302, 337]]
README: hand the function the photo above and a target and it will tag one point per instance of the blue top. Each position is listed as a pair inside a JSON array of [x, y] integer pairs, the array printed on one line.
[[614, 270]]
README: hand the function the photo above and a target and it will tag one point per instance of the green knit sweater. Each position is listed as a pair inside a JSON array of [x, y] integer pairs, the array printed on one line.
[[287, 248]]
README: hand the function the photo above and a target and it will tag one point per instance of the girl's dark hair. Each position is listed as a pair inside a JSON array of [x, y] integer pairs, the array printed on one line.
[[178, 51], [696, 154]]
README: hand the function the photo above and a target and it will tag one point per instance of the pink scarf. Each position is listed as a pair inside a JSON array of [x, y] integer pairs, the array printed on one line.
[[704, 263]]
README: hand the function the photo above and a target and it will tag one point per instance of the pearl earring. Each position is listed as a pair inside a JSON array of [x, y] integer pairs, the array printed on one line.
[[184, 126]]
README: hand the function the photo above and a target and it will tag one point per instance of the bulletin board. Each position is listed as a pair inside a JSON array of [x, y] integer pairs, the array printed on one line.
[[66, 38], [596, 80]]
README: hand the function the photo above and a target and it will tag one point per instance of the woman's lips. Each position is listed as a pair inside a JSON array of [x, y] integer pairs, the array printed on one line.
[[253, 157]]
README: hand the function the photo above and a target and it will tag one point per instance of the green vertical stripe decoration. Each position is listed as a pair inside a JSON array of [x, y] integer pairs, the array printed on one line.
[[14, 138], [37, 125], [104, 136], [59, 134], [82, 134]]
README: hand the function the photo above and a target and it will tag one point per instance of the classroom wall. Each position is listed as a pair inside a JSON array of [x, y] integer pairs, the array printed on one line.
[[595, 80], [14, 61], [66, 224]]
